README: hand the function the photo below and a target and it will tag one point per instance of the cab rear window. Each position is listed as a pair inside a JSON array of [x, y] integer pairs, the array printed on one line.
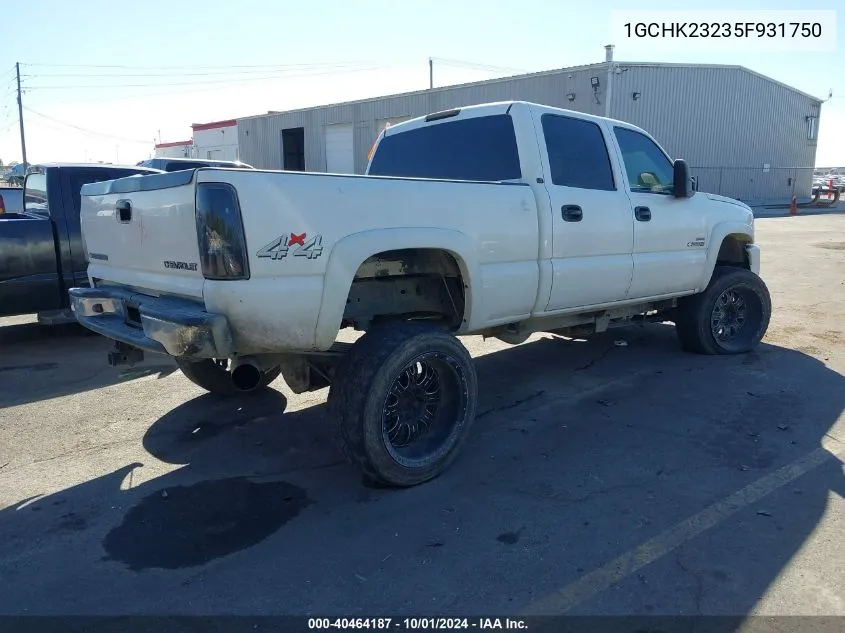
[[480, 148]]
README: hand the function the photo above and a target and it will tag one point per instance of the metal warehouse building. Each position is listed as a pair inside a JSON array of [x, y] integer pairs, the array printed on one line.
[[744, 135]]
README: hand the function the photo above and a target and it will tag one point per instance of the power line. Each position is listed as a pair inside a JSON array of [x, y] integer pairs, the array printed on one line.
[[87, 131], [195, 83], [12, 122], [464, 64], [188, 66], [186, 91], [207, 73]]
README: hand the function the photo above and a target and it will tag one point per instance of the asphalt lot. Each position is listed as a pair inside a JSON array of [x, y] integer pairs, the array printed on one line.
[[600, 479]]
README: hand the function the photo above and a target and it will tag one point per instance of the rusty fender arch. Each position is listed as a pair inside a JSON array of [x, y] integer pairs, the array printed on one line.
[[348, 254]]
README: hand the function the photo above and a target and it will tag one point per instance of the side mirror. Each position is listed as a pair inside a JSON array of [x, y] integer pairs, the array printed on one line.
[[682, 183]]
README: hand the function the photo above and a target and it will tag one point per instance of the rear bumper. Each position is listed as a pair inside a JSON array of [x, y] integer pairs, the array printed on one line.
[[164, 325]]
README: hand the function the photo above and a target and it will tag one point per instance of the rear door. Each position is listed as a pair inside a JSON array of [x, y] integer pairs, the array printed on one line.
[[592, 228]]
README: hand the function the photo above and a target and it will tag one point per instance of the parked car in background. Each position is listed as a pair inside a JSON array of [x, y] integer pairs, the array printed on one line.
[[41, 251], [179, 164], [499, 220], [11, 200]]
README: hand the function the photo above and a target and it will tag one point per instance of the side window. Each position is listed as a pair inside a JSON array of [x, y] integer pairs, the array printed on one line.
[[577, 153], [648, 168], [480, 148]]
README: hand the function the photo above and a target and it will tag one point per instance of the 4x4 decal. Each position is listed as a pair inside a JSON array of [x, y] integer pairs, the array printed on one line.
[[295, 244]]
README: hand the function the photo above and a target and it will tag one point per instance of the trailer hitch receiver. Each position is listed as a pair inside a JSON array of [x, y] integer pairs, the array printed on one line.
[[124, 354]]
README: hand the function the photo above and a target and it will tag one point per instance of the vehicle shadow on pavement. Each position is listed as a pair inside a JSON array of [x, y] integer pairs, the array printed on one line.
[[43, 362], [582, 452]]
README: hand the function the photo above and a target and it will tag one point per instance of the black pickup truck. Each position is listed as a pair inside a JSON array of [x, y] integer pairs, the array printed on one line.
[[41, 250]]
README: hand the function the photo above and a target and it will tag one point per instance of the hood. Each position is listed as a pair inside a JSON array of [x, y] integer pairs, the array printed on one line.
[[717, 198], [733, 202]]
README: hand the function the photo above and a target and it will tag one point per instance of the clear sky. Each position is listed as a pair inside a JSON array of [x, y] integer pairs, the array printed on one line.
[[104, 80]]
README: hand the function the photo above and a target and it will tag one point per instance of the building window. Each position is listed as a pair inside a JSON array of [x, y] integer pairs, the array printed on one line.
[[812, 128]]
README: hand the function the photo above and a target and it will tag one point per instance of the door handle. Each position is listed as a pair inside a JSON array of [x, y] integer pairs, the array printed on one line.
[[571, 213], [643, 214], [124, 211]]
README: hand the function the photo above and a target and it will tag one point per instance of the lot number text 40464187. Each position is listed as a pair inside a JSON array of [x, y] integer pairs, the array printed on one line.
[[418, 624]]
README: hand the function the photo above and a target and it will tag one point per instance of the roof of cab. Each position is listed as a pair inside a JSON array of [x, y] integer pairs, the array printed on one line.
[[496, 107]]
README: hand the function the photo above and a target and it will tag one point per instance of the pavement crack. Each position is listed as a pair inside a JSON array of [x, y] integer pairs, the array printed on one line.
[[84, 449], [512, 405], [597, 359], [699, 583]]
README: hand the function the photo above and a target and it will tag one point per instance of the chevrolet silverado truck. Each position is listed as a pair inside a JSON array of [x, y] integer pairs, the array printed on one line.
[[41, 254], [502, 220]]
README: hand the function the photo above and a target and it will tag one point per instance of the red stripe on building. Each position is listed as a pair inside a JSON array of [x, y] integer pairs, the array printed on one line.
[[173, 144], [213, 126]]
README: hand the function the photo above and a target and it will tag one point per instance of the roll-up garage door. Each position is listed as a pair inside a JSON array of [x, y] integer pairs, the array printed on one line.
[[340, 149]]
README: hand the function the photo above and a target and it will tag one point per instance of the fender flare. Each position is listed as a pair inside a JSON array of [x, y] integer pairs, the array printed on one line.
[[717, 236], [348, 254]]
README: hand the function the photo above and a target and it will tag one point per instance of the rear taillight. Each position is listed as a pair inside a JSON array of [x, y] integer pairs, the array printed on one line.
[[220, 232], [2, 205]]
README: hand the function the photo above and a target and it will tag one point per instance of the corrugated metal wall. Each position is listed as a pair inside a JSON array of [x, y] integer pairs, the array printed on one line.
[[726, 122], [718, 119]]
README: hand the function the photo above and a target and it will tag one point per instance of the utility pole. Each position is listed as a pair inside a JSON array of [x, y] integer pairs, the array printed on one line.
[[430, 73], [20, 114]]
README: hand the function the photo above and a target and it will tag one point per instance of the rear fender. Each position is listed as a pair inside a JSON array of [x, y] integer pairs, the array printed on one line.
[[348, 254]]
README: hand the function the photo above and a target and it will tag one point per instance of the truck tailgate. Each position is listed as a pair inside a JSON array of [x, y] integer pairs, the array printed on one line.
[[141, 232]]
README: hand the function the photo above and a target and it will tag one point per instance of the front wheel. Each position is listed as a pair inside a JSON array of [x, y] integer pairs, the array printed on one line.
[[403, 400], [730, 316], [214, 376]]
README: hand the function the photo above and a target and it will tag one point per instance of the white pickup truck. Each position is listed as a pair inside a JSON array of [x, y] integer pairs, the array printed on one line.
[[501, 219]]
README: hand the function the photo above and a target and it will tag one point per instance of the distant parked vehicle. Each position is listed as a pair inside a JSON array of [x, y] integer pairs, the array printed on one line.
[[181, 164], [41, 249]]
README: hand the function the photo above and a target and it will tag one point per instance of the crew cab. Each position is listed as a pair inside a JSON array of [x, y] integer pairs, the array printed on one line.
[[501, 219], [41, 254]]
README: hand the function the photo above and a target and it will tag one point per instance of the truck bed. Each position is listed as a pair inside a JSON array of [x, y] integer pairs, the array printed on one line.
[[306, 234]]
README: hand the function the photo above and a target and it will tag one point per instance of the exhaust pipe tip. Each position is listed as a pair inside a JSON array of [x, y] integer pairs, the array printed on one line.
[[246, 377]]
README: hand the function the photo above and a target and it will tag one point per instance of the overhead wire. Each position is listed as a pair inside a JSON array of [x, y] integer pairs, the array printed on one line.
[[232, 81], [145, 95], [86, 130], [195, 66]]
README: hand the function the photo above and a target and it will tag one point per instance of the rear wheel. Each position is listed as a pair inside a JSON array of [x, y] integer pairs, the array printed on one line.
[[404, 399], [730, 316], [214, 375]]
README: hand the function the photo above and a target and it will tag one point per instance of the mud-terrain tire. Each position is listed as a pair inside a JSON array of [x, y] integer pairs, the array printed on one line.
[[404, 399], [730, 316], [217, 379]]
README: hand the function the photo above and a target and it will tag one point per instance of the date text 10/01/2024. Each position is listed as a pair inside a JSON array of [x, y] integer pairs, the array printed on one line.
[[417, 624]]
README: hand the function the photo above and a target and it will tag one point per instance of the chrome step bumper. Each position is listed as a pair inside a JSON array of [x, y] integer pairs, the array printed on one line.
[[164, 325]]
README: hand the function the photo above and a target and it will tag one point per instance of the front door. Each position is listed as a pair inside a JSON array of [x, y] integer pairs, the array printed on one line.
[[592, 228], [670, 234]]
